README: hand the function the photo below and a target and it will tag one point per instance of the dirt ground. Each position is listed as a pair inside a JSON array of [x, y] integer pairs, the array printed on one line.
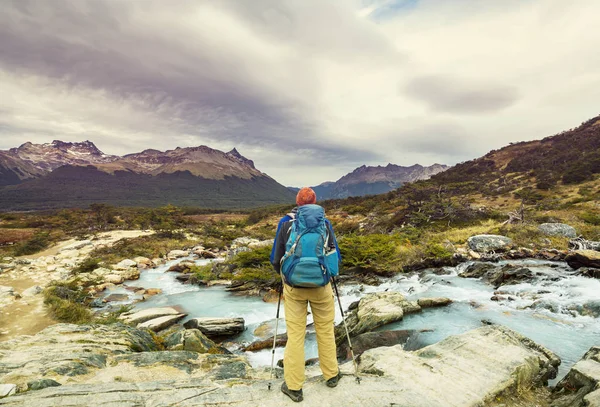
[[24, 316]]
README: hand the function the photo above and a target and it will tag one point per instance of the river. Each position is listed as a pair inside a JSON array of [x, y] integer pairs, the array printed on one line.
[[552, 322]]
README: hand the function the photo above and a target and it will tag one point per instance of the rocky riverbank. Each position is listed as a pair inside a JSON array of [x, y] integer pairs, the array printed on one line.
[[119, 365]]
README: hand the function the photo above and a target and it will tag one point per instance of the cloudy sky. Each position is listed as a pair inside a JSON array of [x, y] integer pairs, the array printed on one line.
[[308, 89]]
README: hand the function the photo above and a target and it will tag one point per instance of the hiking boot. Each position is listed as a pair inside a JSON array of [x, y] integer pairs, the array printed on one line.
[[334, 380], [295, 395]]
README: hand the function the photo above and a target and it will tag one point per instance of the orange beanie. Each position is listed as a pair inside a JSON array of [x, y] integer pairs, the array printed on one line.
[[306, 196]]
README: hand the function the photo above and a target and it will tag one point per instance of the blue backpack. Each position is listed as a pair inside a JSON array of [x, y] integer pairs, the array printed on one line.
[[309, 259]]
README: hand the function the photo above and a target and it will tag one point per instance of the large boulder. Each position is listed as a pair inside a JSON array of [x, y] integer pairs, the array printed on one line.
[[375, 310], [580, 387], [583, 258], [217, 327], [558, 229], [137, 316], [190, 340], [488, 243]]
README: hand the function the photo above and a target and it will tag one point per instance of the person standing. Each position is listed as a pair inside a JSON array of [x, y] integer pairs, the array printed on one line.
[[305, 253]]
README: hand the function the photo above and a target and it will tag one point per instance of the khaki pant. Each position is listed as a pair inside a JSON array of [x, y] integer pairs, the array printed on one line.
[[322, 307]]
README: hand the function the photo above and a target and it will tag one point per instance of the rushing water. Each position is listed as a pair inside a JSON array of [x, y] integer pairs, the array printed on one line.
[[543, 310]]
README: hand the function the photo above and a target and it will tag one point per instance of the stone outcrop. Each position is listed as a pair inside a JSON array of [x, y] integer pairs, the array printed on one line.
[[160, 323], [378, 309], [583, 258], [64, 351], [558, 229], [217, 327], [468, 370], [370, 340], [137, 317], [581, 386], [488, 243]]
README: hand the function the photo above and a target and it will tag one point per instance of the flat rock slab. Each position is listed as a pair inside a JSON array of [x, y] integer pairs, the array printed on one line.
[[467, 370], [213, 327], [583, 258], [137, 317], [160, 323]]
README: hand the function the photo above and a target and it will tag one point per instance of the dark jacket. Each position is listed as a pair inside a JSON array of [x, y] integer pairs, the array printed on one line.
[[283, 233]]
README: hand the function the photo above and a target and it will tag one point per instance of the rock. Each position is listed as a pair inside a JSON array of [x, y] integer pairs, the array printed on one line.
[[68, 351], [577, 388], [216, 327], [184, 278], [434, 302], [158, 261], [375, 310], [114, 278], [7, 390], [243, 241], [589, 272], [153, 291], [488, 243], [507, 275], [583, 258], [160, 323], [262, 243], [205, 254], [191, 340], [76, 246], [32, 291], [370, 340], [266, 343], [125, 265], [494, 360], [182, 360], [558, 229], [143, 262], [6, 267], [271, 296], [477, 270], [267, 328], [182, 267], [115, 298], [473, 369], [176, 254], [137, 317], [42, 384]]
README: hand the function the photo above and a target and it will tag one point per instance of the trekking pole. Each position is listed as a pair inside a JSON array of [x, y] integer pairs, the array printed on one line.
[[337, 293], [275, 336]]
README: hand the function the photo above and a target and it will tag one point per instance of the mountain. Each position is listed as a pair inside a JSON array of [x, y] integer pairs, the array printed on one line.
[[569, 157], [59, 174], [374, 180]]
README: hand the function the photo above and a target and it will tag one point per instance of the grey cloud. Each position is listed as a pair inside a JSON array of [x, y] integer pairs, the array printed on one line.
[[456, 95], [196, 88]]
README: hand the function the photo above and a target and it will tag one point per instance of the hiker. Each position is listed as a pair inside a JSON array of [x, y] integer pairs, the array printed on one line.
[[306, 255]]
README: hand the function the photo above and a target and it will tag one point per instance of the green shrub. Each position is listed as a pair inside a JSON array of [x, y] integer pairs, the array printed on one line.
[[37, 243], [438, 251], [258, 257], [255, 274], [591, 218], [204, 272], [66, 303], [87, 266], [375, 252]]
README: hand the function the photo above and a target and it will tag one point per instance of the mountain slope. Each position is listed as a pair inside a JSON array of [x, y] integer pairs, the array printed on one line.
[[58, 174], [375, 180], [568, 157]]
